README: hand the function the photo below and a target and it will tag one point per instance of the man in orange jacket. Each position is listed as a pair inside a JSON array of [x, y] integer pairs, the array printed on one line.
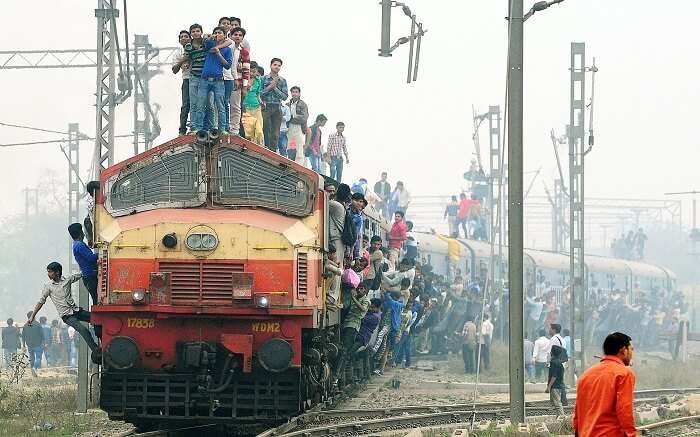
[[604, 396]]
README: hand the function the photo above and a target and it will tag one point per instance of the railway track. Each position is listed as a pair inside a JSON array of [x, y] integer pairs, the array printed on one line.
[[679, 427], [367, 420]]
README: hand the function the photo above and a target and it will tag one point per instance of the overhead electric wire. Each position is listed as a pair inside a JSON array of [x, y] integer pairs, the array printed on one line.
[[31, 143], [19, 126]]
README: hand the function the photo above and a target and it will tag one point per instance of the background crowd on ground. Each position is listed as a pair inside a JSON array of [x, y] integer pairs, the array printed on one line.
[[51, 344], [224, 89]]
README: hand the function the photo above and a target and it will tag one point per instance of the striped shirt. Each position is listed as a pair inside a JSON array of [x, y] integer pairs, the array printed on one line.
[[336, 145], [197, 60]]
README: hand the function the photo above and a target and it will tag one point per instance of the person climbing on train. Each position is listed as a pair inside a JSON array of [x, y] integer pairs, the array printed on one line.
[[58, 288], [359, 304], [86, 259], [397, 236]]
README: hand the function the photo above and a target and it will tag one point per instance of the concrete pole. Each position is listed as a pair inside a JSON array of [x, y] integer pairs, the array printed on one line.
[[515, 211], [83, 356]]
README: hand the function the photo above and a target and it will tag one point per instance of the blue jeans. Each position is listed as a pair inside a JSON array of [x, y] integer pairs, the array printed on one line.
[[403, 350], [35, 354], [337, 168], [315, 163], [282, 144], [193, 92], [228, 89], [205, 86]]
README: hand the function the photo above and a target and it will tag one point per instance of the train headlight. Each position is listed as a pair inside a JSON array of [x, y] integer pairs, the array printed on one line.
[[262, 301], [138, 296], [194, 241], [208, 241], [201, 241]]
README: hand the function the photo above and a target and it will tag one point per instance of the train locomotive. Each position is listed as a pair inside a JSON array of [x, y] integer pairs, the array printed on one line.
[[211, 254]]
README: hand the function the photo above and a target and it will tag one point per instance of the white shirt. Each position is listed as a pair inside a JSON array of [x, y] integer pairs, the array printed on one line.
[[557, 340], [232, 72], [286, 116], [411, 239], [60, 294], [185, 68], [486, 331], [541, 350]]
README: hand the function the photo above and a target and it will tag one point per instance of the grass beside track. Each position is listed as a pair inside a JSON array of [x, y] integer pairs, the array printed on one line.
[[45, 407]]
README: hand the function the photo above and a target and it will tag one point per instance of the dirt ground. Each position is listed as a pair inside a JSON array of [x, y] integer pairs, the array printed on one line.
[[45, 406]]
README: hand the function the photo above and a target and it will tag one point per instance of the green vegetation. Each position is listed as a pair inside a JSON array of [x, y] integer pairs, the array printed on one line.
[[44, 407]]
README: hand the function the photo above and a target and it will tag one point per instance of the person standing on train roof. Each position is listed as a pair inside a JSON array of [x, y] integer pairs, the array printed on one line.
[[212, 80], [397, 235], [400, 198], [465, 205], [274, 92], [605, 393], [383, 189], [59, 288], [299, 114], [337, 147], [451, 216], [86, 259]]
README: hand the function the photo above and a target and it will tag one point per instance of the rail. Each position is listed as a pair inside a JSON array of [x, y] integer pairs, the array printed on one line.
[[671, 423], [360, 421]]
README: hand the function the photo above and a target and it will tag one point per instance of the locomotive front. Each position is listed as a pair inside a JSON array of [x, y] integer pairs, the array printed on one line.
[[210, 283]]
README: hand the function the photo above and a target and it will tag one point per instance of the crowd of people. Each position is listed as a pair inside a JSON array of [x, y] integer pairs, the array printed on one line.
[[223, 89], [390, 304], [630, 246], [48, 345]]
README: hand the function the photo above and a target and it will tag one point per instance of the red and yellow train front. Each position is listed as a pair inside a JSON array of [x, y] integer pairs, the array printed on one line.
[[211, 262]]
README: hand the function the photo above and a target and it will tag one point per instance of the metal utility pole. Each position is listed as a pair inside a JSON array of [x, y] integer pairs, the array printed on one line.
[[496, 211], [577, 267], [414, 38], [515, 210], [559, 225], [143, 116], [74, 184], [385, 48], [410, 48], [105, 94]]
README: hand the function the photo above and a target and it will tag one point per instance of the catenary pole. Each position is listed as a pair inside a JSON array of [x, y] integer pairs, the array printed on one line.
[[515, 210]]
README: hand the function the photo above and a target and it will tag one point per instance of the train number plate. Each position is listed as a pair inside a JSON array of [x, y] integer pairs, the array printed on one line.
[[140, 323], [266, 327]]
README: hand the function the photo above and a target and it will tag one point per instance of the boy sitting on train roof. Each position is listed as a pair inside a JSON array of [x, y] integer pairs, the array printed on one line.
[[58, 288]]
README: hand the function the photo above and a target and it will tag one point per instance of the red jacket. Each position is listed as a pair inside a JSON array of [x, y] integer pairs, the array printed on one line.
[[604, 400], [397, 235]]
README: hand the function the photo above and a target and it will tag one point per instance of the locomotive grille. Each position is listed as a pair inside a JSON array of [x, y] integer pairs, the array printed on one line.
[[200, 282], [302, 274], [104, 271]]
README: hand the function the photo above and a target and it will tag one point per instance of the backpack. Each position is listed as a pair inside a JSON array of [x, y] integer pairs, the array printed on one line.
[[349, 236], [563, 355]]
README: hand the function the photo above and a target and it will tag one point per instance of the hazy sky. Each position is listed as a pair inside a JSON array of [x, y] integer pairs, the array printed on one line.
[[646, 96]]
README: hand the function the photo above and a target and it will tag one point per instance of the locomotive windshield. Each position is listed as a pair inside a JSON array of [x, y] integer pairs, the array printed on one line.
[[245, 180], [177, 178], [168, 179]]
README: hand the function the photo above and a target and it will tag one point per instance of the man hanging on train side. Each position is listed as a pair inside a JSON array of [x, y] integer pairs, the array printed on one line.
[[58, 288]]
